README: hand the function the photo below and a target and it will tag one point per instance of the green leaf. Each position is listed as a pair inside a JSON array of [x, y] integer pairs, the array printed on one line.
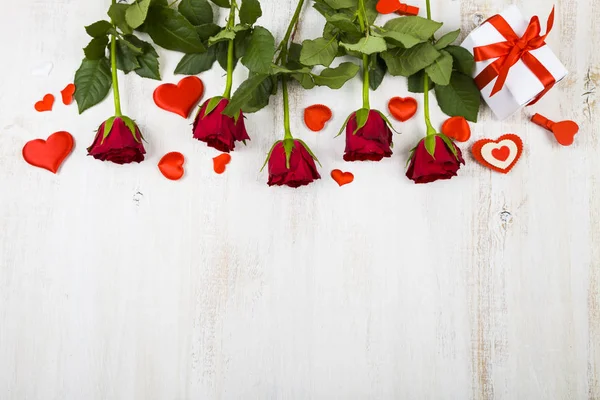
[[222, 51], [244, 94], [344, 125], [96, 49], [430, 145], [205, 31], [260, 52], [116, 12], [262, 94], [194, 64], [335, 78], [126, 59], [377, 71], [241, 43], [148, 60], [367, 45], [222, 3], [362, 116], [460, 98], [451, 145], [250, 11], [132, 127], [447, 39], [344, 23], [339, 4], [169, 29], [320, 51], [406, 62], [418, 27], [309, 151], [108, 125], [93, 81], [198, 12], [305, 80], [416, 82], [398, 38], [136, 13], [212, 104], [441, 69], [98, 29], [463, 59], [223, 36]]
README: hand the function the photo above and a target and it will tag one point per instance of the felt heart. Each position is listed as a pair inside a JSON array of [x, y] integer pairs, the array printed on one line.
[[457, 128], [316, 116], [181, 98], [220, 163], [171, 165], [67, 94], [565, 132], [500, 155], [403, 109], [45, 104], [50, 153], [342, 178], [387, 6]]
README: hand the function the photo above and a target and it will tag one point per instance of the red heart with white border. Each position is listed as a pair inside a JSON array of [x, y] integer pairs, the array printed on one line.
[[501, 154]]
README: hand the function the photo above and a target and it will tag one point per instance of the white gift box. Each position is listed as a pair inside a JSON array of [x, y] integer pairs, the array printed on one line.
[[522, 85]]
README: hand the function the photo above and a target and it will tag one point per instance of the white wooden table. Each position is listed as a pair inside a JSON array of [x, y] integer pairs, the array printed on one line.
[[118, 284]]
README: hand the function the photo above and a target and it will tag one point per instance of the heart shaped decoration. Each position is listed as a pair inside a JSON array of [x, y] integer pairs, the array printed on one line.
[[565, 131], [50, 153], [181, 98], [46, 104], [387, 6], [67, 94], [501, 155], [403, 109], [220, 163], [316, 116], [171, 165], [457, 128], [342, 178]]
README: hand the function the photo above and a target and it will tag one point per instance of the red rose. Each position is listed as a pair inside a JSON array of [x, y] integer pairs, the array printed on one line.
[[122, 144], [218, 130], [424, 168], [297, 169], [371, 142]]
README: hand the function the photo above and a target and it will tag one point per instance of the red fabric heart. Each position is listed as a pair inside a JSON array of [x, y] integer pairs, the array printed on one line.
[[220, 163], [457, 128], [387, 6], [501, 154], [342, 178], [46, 104], [181, 98], [403, 109], [171, 165], [67, 94], [316, 116], [50, 153], [565, 131]]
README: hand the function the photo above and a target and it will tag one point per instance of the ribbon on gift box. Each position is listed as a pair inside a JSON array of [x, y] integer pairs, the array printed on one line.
[[408, 10], [508, 53]]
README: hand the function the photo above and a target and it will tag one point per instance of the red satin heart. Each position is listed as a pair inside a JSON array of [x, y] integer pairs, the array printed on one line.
[[171, 165], [50, 153], [46, 104], [403, 109], [387, 6], [457, 128], [220, 163], [316, 116], [67, 94], [564, 131], [342, 178], [181, 98], [501, 153]]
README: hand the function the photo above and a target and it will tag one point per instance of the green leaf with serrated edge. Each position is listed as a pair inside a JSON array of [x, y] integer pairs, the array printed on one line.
[[137, 50], [367, 45], [309, 151], [250, 11], [244, 94], [126, 60], [362, 117], [344, 23], [137, 12], [416, 82], [262, 95], [320, 51], [447, 39], [116, 12], [441, 69], [403, 39], [463, 59], [93, 81], [98, 29], [198, 12], [451, 145], [418, 27], [430, 145], [338, 4], [387, 121], [406, 62], [222, 3], [260, 52], [194, 64], [224, 35], [344, 125], [205, 31], [460, 98], [170, 30], [377, 71], [148, 60], [108, 125], [335, 78], [96, 49], [269, 155], [212, 104]]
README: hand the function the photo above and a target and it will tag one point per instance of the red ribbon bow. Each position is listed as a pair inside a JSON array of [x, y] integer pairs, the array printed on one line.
[[508, 53]]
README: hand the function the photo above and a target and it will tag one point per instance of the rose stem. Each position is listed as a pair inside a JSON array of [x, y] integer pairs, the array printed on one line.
[[364, 24], [230, 49], [430, 129], [283, 57], [113, 70]]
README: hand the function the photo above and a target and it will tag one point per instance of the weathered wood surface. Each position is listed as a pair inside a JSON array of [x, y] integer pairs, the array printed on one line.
[[118, 284]]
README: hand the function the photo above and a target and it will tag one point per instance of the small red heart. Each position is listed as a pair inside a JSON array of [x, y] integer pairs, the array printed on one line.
[[45, 104], [565, 132], [67, 94], [171, 165], [403, 109], [457, 128], [387, 6], [181, 98], [220, 163], [316, 116], [50, 153], [342, 178], [501, 155]]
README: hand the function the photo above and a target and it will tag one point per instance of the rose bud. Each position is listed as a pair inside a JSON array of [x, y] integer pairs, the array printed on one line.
[[444, 164], [371, 142], [118, 140], [218, 130], [291, 163]]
